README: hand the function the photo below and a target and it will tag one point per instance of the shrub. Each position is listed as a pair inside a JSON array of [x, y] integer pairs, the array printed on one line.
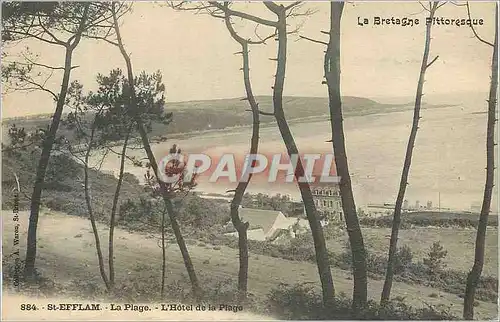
[[435, 256], [437, 219], [301, 302], [61, 170], [13, 279], [374, 263], [130, 178], [405, 270], [297, 302], [144, 211], [404, 259]]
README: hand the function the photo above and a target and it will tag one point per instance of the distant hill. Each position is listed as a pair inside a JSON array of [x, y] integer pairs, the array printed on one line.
[[224, 113]]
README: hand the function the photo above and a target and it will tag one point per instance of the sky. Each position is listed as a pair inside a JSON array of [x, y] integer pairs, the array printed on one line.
[[195, 54]]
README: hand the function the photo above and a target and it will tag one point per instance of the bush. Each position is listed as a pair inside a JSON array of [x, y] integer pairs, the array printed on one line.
[[405, 269], [13, 279], [301, 302], [404, 259], [130, 178], [297, 302], [62, 171], [374, 263], [201, 213], [144, 211], [425, 219], [435, 256]]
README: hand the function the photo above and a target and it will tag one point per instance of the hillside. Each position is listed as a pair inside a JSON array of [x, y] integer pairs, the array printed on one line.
[[140, 259], [219, 114], [63, 191], [63, 185]]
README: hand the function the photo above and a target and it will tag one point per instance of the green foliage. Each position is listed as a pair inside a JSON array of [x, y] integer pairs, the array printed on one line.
[[14, 281], [302, 302], [65, 193], [201, 213], [192, 211], [107, 110], [435, 258], [297, 302], [20, 139], [130, 178], [426, 219], [145, 211], [262, 201], [405, 269], [404, 259], [22, 20], [62, 171]]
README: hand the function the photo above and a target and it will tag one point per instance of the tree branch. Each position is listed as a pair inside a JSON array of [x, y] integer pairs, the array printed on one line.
[[29, 35], [78, 35], [244, 15], [238, 38], [432, 62], [295, 4], [261, 112], [474, 30], [314, 40], [56, 40]]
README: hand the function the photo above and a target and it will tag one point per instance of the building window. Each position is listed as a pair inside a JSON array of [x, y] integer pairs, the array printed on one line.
[[329, 192], [330, 204], [324, 203]]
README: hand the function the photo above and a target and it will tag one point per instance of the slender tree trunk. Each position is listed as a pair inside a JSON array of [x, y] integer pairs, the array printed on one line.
[[112, 220], [163, 255], [386, 291], [321, 251], [178, 235], [29, 268], [241, 227], [332, 74], [154, 165], [88, 202], [240, 189], [475, 273]]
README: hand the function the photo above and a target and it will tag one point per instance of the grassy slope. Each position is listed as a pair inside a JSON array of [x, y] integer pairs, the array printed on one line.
[[68, 194], [67, 253], [458, 242]]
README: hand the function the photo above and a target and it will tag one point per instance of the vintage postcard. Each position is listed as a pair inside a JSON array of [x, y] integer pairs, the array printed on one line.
[[208, 160]]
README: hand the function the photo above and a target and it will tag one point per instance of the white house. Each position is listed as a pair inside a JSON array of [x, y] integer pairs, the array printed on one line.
[[264, 224]]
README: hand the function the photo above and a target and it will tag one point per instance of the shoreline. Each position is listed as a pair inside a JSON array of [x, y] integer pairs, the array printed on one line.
[[264, 125]]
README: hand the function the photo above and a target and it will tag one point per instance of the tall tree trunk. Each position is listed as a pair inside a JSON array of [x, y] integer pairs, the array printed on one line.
[[475, 273], [90, 210], [240, 189], [241, 227], [328, 290], [112, 221], [332, 74], [163, 255], [29, 268], [386, 291], [154, 165]]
